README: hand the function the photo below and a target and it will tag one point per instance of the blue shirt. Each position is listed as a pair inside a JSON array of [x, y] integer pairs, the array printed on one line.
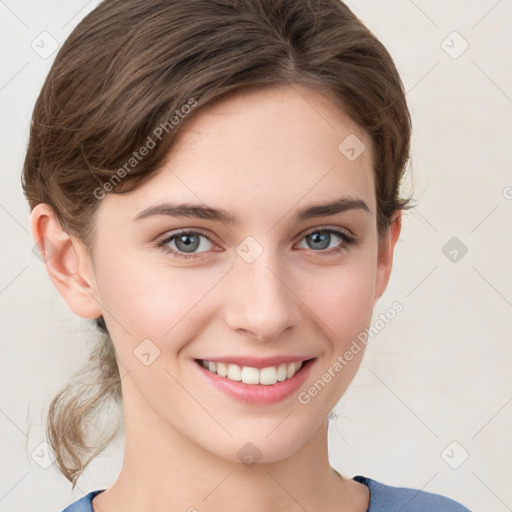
[[383, 498]]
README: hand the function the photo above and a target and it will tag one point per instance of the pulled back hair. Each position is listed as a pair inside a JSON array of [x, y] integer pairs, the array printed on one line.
[[129, 67]]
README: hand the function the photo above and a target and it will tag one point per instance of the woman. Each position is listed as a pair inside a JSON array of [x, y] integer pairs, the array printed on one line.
[[216, 183]]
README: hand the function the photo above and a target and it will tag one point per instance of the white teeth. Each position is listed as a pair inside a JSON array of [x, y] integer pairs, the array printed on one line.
[[268, 375], [222, 370], [234, 372], [281, 372], [249, 375]]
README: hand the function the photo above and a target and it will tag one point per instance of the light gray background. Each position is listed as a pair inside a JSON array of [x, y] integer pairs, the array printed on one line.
[[439, 373]]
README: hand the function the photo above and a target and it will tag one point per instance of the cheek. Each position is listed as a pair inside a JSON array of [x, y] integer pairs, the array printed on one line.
[[342, 298], [143, 298], [151, 300]]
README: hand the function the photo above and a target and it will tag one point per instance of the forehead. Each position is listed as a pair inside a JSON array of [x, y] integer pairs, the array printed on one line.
[[263, 151]]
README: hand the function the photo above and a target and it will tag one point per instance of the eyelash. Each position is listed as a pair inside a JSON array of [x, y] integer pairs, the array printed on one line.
[[346, 241]]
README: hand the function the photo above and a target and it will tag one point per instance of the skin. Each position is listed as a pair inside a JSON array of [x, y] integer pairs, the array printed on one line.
[[262, 155]]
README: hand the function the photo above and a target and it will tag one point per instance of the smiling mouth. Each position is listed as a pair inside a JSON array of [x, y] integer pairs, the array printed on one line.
[[251, 375]]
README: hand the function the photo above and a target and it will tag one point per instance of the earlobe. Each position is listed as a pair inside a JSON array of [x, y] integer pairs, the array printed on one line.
[[385, 255], [66, 262]]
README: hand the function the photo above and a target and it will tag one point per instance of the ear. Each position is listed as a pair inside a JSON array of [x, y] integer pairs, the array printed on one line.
[[66, 261], [385, 256]]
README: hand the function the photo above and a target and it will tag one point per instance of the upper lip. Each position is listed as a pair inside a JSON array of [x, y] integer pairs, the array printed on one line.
[[258, 362]]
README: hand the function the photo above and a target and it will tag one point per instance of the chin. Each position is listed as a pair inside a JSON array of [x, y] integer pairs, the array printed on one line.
[[260, 446]]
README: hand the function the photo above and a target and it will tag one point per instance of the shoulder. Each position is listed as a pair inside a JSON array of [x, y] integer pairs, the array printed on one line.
[[84, 504], [384, 498]]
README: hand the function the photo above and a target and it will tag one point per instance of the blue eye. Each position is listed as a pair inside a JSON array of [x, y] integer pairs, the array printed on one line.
[[321, 238], [189, 244], [186, 243]]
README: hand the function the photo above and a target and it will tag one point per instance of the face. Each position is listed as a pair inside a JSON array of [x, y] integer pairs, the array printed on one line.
[[261, 284]]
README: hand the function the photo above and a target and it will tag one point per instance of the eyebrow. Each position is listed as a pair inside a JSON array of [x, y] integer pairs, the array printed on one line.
[[200, 211]]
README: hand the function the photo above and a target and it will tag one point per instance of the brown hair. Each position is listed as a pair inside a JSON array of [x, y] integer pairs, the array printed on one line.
[[129, 69]]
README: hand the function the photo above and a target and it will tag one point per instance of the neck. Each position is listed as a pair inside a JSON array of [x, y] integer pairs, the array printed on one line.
[[164, 471]]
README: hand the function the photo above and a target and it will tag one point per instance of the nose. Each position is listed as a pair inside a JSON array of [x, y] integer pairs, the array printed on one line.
[[262, 302]]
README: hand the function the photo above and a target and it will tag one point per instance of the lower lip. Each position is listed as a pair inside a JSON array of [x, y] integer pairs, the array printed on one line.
[[258, 393]]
